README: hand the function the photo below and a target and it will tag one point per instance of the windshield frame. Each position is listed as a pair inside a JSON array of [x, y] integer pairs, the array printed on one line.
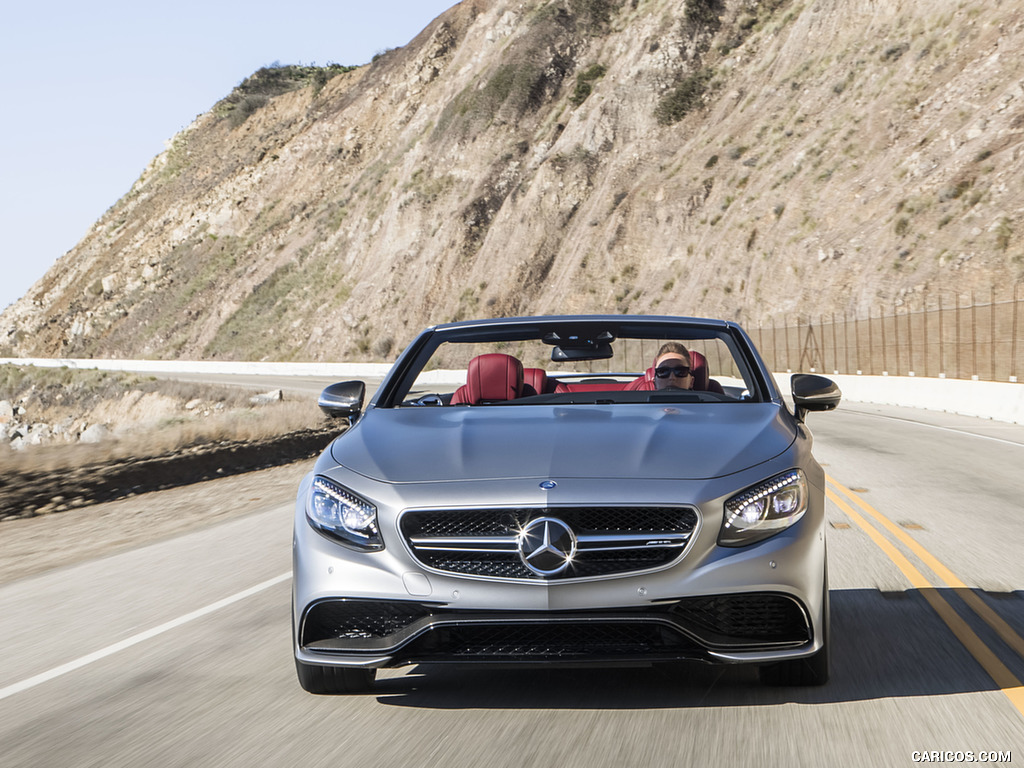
[[400, 380]]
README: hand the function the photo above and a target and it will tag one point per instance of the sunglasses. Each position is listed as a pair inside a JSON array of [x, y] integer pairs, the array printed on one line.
[[679, 372]]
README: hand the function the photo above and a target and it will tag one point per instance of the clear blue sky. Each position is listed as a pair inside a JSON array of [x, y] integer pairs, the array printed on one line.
[[94, 89]]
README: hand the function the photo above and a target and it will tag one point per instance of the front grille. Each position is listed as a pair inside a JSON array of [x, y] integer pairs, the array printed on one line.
[[610, 540]]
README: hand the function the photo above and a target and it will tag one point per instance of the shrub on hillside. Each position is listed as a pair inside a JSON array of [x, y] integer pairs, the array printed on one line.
[[687, 95]]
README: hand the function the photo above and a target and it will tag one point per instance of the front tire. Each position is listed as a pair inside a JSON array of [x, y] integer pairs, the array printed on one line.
[[334, 680]]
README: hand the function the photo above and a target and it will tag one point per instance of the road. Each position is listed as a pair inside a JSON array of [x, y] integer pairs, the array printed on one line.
[[176, 653]]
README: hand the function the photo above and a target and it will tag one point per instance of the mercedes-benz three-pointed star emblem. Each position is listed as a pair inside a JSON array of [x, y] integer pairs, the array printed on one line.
[[547, 546]]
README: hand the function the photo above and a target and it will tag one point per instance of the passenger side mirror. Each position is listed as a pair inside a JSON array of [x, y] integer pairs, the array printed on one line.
[[343, 400], [814, 393]]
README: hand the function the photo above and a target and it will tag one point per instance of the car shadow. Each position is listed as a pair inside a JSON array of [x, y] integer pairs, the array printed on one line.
[[884, 645]]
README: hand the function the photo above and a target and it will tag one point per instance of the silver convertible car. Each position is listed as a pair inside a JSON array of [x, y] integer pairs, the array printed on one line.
[[593, 490]]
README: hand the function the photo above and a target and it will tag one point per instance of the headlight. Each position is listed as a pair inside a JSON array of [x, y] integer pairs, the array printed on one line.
[[764, 510], [342, 515]]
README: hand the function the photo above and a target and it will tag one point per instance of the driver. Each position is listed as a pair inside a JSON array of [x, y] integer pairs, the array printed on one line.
[[672, 367]]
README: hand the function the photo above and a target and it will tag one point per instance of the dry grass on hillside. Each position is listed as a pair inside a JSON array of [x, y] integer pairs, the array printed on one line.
[[141, 416]]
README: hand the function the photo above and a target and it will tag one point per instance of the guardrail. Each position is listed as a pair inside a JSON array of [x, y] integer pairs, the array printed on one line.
[[1000, 401]]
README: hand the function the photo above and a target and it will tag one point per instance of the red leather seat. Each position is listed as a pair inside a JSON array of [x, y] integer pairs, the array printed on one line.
[[537, 378], [490, 377]]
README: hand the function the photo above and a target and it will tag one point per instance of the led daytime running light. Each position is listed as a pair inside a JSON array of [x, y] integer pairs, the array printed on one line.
[[765, 509], [340, 514]]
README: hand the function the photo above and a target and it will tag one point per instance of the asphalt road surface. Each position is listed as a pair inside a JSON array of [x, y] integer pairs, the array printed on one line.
[[177, 653]]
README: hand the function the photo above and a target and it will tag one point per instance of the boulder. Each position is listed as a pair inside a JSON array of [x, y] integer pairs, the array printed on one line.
[[273, 396], [96, 433], [39, 433]]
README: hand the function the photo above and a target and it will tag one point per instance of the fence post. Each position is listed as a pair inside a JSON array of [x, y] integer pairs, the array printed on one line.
[[785, 330], [846, 342], [974, 335], [800, 363], [856, 334], [924, 316], [1013, 348], [910, 344], [824, 346], [885, 355], [835, 346], [992, 332], [896, 335], [956, 317], [942, 340], [775, 346]]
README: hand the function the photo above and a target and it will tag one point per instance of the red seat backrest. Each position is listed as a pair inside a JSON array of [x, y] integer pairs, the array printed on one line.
[[492, 376], [538, 379]]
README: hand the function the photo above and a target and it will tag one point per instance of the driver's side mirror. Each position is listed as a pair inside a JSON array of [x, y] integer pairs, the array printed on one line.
[[814, 393], [343, 400]]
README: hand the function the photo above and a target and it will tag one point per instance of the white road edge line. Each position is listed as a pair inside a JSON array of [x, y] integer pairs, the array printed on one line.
[[110, 650], [933, 426]]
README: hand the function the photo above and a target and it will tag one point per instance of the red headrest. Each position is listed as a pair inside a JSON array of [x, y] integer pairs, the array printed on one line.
[[536, 378], [699, 369], [493, 376]]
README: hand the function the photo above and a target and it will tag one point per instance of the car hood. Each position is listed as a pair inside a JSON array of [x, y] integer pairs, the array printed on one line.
[[684, 441]]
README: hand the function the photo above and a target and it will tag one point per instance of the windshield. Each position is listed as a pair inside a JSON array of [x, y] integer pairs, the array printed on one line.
[[585, 363]]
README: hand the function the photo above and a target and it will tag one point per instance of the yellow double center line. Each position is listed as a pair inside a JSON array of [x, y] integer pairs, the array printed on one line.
[[1000, 674]]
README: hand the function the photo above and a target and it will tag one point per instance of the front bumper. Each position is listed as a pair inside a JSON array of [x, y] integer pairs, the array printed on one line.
[[396, 633]]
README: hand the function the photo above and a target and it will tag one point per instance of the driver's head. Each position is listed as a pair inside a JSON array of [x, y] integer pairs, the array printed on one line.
[[672, 367]]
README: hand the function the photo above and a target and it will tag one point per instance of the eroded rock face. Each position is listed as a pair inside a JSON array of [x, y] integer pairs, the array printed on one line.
[[520, 157]]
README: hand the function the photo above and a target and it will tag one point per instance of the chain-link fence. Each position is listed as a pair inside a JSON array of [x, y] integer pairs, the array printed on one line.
[[958, 337]]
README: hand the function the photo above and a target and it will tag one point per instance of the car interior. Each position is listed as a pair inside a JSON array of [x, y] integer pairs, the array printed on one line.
[[575, 375]]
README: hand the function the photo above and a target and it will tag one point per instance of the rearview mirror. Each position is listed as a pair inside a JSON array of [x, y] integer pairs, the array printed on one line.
[[814, 393], [343, 400], [594, 351]]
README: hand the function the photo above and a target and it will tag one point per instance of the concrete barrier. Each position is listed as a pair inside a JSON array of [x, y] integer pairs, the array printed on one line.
[[1001, 401], [343, 370]]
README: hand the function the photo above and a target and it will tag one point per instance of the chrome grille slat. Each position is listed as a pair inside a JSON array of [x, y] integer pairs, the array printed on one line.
[[610, 540], [466, 543]]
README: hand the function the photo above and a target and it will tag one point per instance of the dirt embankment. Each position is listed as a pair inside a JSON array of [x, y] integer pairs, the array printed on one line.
[[74, 438], [27, 492]]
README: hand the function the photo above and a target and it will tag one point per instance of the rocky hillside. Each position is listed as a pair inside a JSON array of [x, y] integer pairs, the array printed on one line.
[[742, 158]]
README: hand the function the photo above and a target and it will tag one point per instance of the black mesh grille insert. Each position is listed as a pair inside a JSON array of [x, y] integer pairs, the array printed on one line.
[[759, 618], [496, 522], [356, 620], [563, 641]]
